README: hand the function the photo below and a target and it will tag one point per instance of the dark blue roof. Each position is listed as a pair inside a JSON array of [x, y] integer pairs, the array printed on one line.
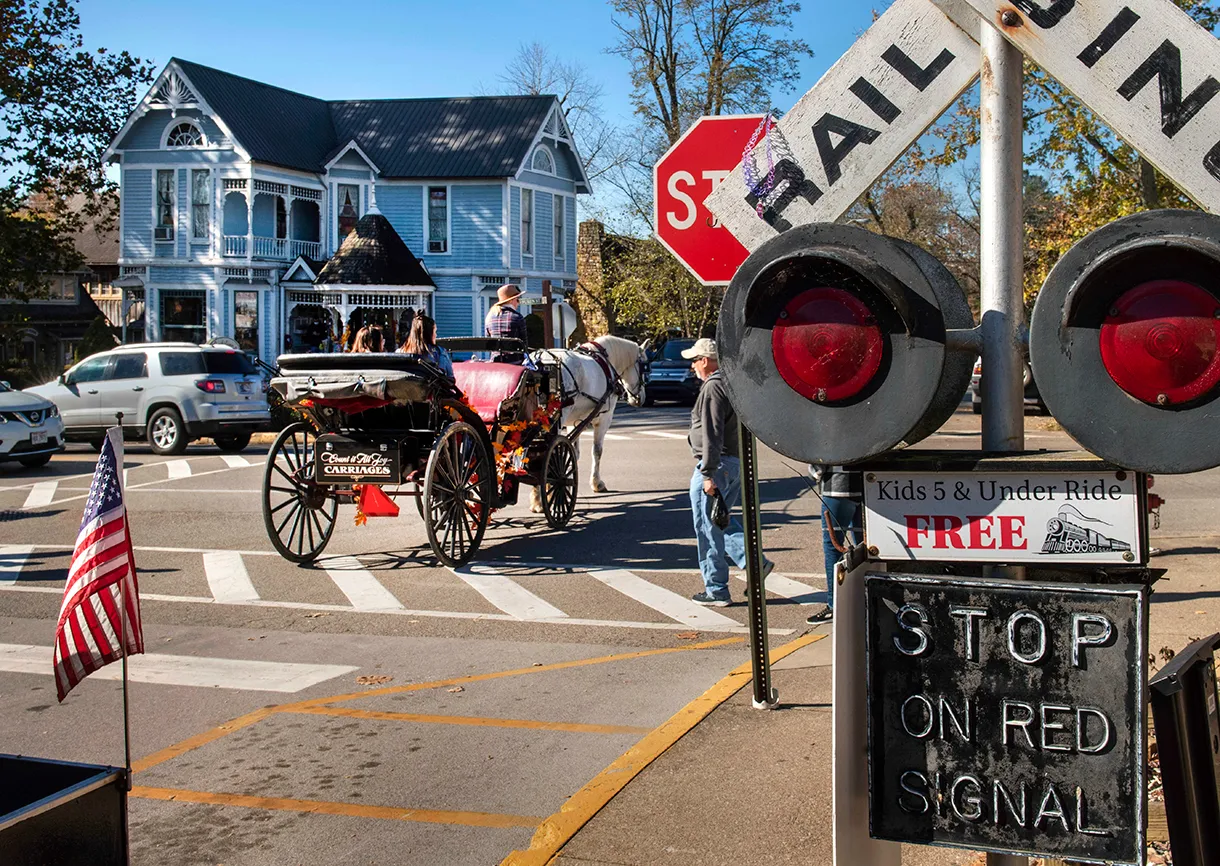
[[461, 137]]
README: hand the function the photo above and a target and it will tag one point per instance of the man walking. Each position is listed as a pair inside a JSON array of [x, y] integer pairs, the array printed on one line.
[[713, 441], [503, 320], [842, 494]]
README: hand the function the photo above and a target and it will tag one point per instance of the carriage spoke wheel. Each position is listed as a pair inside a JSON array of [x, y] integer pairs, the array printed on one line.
[[457, 494], [299, 514], [559, 483]]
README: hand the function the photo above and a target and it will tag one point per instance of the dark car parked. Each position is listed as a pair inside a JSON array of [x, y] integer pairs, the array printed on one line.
[[1033, 400], [669, 375]]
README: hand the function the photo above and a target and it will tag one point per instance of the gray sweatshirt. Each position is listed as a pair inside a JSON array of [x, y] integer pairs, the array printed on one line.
[[713, 425]]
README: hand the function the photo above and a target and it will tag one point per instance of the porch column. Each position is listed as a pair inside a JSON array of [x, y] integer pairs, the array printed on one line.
[[250, 218]]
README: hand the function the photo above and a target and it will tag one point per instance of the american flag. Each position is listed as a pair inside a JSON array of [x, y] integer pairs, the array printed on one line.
[[101, 579]]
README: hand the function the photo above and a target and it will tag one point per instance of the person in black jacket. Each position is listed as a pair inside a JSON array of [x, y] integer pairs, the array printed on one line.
[[713, 440]]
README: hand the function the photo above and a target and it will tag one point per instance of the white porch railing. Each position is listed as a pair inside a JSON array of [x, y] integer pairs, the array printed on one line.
[[235, 245], [312, 249], [270, 248]]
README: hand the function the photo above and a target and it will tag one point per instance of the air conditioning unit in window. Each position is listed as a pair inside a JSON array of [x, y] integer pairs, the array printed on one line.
[[163, 233], [436, 246]]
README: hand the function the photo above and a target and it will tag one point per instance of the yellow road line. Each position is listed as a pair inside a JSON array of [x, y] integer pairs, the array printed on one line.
[[350, 810], [474, 721], [558, 829], [190, 743], [245, 721]]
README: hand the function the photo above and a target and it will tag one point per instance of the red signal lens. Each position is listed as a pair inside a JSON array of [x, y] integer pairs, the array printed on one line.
[[827, 345], [1160, 342]]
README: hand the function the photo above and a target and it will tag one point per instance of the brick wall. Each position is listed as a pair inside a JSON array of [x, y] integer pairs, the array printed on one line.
[[590, 299]]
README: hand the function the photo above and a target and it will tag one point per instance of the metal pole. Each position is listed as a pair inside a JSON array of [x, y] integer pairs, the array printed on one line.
[[548, 322], [1001, 263], [765, 696]]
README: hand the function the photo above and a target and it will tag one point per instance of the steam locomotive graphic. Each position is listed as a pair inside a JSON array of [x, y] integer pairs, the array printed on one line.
[[1065, 536]]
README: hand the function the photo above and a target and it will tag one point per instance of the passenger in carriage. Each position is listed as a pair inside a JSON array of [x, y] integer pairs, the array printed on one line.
[[368, 339], [421, 342], [503, 320]]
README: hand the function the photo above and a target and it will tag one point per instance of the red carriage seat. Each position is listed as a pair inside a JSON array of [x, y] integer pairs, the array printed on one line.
[[487, 385]]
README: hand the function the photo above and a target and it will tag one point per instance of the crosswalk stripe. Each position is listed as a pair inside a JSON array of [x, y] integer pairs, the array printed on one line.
[[228, 578], [615, 437], [506, 594], [179, 468], [235, 461], [42, 493], [664, 434], [793, 590], [198, 671], [12, 560], [362, 589], [671, 604]]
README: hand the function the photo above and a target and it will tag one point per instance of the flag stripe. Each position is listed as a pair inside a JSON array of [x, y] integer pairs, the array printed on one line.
[[91, 608]]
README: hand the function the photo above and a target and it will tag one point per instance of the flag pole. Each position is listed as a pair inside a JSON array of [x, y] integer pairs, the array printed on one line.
[[123, 615]]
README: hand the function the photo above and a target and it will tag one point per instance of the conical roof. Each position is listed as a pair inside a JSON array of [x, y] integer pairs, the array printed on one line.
[[374, 255]]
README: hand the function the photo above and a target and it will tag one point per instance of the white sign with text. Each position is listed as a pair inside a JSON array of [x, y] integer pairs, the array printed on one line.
[[1048, 517]]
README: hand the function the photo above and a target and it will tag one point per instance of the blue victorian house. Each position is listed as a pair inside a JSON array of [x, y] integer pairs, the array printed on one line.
[[237, 198]]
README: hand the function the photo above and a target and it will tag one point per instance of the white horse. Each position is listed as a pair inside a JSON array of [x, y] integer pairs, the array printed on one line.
[[584, 379]]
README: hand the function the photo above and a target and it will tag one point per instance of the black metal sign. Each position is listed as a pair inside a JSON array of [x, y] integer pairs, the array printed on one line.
[[1007, 717], [345, 460]]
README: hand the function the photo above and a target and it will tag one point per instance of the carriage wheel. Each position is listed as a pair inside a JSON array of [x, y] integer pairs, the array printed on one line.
[[457, 494], [559, 483], [298, 513]]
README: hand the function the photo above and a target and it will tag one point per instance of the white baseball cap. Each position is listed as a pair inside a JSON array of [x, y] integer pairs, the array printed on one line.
[[703, 348]]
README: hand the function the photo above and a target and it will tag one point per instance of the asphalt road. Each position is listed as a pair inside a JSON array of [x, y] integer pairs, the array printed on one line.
[[377, 708]]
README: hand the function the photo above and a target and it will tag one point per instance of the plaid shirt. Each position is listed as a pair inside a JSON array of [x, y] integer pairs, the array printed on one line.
[[507, 322]]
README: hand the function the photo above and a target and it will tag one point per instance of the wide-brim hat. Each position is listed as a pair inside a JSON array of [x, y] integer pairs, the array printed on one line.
[[506, 293]]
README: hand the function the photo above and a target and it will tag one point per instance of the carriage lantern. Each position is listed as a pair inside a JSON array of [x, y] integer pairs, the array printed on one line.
[[833, 343], [1125, 341]]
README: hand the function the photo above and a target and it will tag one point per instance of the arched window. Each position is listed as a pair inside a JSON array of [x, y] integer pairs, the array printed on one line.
[[543, 161], [184, 135]]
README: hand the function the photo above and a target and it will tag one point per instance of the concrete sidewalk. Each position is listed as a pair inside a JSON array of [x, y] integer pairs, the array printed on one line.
[[744, 786]]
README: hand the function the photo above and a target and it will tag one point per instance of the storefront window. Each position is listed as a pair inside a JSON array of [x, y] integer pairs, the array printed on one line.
[[183, 316], [245, 320]]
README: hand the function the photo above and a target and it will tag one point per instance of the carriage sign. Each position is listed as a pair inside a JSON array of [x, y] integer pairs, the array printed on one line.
[[1082, 518]]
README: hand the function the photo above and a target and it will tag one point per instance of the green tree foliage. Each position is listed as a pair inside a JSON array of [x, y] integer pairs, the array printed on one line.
[[654, 294], [98, 337], [60, 107]]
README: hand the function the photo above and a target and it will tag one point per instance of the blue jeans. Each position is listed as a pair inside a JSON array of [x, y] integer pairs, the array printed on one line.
[[716, 545], [845, 515]]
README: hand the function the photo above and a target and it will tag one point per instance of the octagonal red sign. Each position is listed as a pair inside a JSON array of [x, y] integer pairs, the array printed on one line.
[[683, 178]]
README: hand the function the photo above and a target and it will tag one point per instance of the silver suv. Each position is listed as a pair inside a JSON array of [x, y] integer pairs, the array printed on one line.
[[168, 393]]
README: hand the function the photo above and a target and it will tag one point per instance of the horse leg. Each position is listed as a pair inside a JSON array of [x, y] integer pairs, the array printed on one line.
[[601, 426]]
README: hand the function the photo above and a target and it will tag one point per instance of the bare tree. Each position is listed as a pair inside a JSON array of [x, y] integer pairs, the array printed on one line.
[[534, 70]]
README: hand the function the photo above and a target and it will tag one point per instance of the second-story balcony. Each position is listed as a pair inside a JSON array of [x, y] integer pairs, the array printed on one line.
[[283, 249]]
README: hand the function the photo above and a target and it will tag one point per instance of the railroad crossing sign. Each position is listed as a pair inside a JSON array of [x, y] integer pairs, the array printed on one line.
[[682, 179], [890, 86]]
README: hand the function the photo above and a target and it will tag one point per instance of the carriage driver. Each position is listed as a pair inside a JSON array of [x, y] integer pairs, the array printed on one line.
[[714, 441], [503, 320]]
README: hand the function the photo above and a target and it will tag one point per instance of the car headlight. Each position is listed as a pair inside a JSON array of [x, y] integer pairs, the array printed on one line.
[[54, 411]]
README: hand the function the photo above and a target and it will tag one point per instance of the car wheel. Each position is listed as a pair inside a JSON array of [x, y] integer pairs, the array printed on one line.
[[35, 462], [232, 444], [166, 433]]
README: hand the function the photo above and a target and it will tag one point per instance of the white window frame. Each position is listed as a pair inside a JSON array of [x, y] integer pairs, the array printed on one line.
[[183, 121], [172, 226], [527, 226], [207, 225], [559, 221], [428, 187], [542, 148], [360, 196]]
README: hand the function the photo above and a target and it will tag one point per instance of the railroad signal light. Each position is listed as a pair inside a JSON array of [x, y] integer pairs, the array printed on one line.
[[1125, 341], [833, 343]]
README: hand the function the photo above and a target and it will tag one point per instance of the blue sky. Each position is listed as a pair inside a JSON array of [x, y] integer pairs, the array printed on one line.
[[379, 48]]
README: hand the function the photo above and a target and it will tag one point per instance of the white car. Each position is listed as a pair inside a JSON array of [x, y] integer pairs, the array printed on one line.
[[30, 428]]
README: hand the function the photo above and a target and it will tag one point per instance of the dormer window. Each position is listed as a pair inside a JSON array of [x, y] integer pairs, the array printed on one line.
[[543, 161], [184, 135]]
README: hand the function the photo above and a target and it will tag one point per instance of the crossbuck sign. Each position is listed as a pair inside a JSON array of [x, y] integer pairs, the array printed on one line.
[[1143, 66]]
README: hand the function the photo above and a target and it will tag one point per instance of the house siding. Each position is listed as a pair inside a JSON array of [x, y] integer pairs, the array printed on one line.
[[146, 133], [514, 226], [570, 230], [403, 206], [453, 306], [544, 231], [548, 181], [351, 173], [137, 186], [475, 226]]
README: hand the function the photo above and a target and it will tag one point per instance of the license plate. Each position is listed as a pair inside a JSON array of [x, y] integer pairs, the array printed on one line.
[[344, 460], [245, 387], [38, 438]]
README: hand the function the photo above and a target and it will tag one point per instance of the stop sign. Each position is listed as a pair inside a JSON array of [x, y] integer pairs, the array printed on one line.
[[686, 175]]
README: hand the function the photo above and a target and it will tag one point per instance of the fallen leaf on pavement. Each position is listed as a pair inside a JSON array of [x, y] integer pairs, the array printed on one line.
[[1201, 612], [687, 635], [315, 615], [455, 690], [537, 664], [373, 680]]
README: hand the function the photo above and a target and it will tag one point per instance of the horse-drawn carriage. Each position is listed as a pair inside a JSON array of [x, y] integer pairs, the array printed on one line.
[[383, 426]]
